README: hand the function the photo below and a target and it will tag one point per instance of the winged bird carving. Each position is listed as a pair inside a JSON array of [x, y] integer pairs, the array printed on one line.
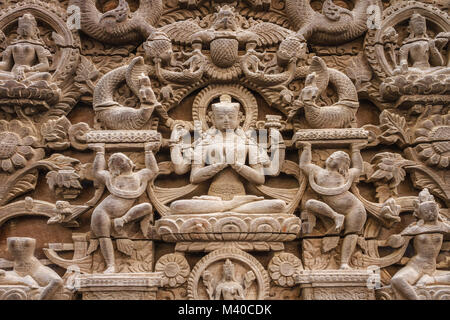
[[110, 113]]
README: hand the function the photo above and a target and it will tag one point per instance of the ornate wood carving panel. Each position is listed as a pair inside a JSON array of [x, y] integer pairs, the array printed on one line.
[[255, 149]]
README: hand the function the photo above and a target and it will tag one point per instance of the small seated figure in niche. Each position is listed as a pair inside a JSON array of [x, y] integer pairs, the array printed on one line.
[[229, 288], [332, 184], [125, 187], [28, 270], [221, 154], [252, 59], [421, 50], [26, 58], [196, 58], [428, 234]]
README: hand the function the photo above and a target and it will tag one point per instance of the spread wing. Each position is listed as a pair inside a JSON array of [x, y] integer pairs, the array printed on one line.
[[180, 32], [322, 76], [135, 69], [269, 33]]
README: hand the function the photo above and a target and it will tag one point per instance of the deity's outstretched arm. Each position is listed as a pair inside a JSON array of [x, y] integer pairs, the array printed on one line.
[[403, 54], [357, 160], [305, 160], [99, 164], [8, 62], [394, 241], [218, 293], [42, 55], [436, 57], [181, 161], [151, 166]]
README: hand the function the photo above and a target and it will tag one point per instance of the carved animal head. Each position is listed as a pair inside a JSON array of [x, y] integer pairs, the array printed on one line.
[[339, 161], [390, 35], [112, 17], [158, 45], [391, 210], [292, 48], [21, 248], [225, 19], [119, 164], [309, 93], [225, 114], [63, 207]]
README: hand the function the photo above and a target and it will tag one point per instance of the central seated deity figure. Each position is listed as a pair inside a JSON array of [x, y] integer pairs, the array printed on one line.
[[221, 154]]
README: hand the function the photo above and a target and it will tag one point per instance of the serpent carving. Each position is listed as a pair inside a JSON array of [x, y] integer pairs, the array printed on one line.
[[119, 25], [109, 112], [335, 25], [339, 115]]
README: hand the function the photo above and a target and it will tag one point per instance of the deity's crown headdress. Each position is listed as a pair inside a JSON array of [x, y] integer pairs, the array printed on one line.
[[225, 101], [228, 265], [416, 17], [28, 19]]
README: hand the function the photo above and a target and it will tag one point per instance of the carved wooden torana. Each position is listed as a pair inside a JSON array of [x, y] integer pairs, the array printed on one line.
[[255, 149]]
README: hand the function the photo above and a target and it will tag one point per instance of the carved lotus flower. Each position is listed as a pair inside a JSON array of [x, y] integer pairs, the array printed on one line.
[[283, 267], [435, 135], [15, 145], [175, 269]]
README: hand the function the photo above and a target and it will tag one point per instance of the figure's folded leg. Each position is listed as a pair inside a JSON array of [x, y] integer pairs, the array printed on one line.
[[38, 76], [319, 207], [196, 206], [6, 75], [262, 206], [402, 282], [134, 213]]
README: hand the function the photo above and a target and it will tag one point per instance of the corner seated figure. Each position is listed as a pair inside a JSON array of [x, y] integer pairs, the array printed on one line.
[[428, 233], [220, 154], [125, 187], [29, 271], [421, 50], [26, 58], [332, 184]]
